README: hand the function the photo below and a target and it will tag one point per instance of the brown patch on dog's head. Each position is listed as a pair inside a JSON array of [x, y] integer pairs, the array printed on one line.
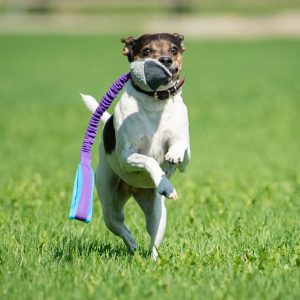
[[165, 47]]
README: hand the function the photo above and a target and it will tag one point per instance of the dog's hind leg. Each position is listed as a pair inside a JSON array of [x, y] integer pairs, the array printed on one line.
[[153, 206], [113, 194]]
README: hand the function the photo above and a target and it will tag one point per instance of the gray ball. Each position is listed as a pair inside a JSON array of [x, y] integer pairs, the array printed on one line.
[[149, 74]]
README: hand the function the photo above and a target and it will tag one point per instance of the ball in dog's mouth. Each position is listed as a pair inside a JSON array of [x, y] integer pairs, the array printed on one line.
[[149, 74]]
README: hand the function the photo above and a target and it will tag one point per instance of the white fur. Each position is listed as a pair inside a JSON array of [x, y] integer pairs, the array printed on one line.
[[152, 140]]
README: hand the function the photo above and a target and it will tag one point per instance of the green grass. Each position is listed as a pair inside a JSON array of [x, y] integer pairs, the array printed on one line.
[[235, 231]]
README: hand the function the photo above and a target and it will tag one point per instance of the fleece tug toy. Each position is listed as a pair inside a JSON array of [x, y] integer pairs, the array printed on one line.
[[149, 75]]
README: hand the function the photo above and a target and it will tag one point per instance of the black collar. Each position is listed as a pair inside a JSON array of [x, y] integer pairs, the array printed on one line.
[[162, 95]]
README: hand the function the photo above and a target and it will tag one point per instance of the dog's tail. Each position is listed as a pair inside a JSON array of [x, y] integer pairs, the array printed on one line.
[[92, 104]]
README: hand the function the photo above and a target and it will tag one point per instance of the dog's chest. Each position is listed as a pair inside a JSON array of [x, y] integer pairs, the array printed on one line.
[[147, 127], [153, 145], [149, 133]]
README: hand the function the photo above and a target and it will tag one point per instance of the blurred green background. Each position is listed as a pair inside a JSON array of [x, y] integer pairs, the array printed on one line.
[[234, 232], [168, 6]]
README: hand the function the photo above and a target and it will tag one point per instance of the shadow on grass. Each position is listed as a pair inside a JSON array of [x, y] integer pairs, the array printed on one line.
[[70, 248]]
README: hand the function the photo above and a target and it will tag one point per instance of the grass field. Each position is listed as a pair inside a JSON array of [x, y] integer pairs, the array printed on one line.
[[234, 233]]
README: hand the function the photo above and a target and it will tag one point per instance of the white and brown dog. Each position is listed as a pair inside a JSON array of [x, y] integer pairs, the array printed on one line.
[[144, 142]]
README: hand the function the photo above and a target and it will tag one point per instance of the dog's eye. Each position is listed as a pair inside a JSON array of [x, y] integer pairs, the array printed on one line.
[[174, 50], [147, 51]]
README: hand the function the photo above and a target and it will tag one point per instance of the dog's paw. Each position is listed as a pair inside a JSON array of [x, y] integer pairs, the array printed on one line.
[[154, 254], [175, 155], [166, 189], [132, 249]]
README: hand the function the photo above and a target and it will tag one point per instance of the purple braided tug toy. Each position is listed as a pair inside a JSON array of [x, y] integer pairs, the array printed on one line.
[[149, 74], [82, 198]]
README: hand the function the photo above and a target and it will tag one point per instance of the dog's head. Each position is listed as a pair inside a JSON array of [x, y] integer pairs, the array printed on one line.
[[165, 47]]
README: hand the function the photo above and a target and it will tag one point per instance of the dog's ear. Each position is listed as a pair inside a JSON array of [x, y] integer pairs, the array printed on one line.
[[180, 38], [128, 48]]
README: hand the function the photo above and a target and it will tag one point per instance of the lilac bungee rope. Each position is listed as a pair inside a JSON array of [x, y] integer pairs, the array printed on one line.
[[82, 198]]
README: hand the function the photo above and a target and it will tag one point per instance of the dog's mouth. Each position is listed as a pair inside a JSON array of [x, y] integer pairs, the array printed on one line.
[[174, 70]]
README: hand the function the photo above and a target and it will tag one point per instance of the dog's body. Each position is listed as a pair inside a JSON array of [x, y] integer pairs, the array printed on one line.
[[142, 145]]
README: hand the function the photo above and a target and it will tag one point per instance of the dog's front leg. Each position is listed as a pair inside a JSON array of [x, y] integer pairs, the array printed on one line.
[[131, 162], [187, 156], [178, 152]]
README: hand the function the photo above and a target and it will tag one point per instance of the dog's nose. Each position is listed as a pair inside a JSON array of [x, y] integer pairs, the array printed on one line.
[[166, 60]]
